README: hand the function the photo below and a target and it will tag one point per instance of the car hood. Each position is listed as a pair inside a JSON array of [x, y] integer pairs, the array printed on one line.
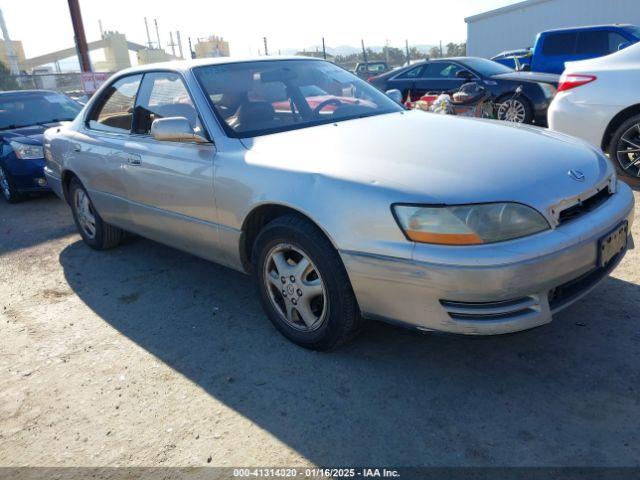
[[30, 134], [429, 158], [537, 77]]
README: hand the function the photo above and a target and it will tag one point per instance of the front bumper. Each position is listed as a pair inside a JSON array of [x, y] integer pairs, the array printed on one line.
[[489, 289], [27, 175]]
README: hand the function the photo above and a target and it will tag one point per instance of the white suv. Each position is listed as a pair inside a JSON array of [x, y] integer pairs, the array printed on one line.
[[598, 100]]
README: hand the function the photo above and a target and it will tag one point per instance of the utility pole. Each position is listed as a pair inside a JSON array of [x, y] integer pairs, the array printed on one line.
[[179, 44], [80, 38], [101, 29], [364, 52], [155, 21], [324, 50], [172, 44], [441, 54], [146, 26], [406, 46], [191, 52], [266, 49]]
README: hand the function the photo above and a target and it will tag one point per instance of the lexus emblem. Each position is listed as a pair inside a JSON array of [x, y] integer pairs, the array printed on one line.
[[576, 175]]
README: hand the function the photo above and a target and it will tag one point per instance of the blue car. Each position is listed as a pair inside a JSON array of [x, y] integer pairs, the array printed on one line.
[[24, 116], [554, 48]]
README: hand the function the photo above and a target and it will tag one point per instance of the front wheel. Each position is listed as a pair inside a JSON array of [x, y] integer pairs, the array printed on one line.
[[303, 285], [624, 149], [515, 110], [9, 193], [95, 232]]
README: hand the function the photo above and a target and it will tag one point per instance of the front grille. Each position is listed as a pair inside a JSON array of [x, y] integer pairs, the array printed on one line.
[[487, 311], [584, 206]]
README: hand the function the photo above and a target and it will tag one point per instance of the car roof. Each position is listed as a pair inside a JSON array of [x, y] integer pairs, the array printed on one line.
[[184, 65], [589, 27]]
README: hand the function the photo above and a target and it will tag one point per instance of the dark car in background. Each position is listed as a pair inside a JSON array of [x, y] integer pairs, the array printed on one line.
[[24, 116], [366, 70], [449, 74]]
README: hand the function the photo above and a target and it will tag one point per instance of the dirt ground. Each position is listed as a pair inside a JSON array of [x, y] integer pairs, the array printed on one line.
[[146, 356]]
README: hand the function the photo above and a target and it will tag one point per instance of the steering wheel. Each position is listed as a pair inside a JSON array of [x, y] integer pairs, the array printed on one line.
[[331, 101]]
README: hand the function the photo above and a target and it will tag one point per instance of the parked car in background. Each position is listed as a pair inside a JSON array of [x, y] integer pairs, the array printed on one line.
[[449, 74], [516, 59], [24, 116], [365, 70], [364, 211], [599, 101], [554, 48]]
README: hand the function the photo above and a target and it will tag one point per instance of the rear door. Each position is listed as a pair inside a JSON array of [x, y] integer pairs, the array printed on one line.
[[557, 48], [97, 149], [170, 184]]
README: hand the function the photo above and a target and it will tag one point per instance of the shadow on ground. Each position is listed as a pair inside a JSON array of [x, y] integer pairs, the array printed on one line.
[[564, 394], [35, 220]]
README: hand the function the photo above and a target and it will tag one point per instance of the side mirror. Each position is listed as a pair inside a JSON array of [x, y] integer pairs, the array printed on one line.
[[175, 129], [623, 45], [395, 95], [464, 74]]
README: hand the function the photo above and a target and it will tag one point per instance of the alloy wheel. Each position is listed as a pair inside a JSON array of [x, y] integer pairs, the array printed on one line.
[[4, 184], [85, 213], [295, 287], [512, 111], [628, 151]]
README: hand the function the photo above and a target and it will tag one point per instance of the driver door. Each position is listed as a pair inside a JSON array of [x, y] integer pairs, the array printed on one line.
[[170, 184]]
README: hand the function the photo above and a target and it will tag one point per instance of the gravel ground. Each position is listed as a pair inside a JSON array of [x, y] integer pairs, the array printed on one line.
[[146, 356]]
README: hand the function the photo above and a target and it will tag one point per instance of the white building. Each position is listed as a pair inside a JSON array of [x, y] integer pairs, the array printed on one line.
[[516, 26]]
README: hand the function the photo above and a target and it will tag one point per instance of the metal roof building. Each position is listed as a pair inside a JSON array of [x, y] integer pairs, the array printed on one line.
[[516, 26]]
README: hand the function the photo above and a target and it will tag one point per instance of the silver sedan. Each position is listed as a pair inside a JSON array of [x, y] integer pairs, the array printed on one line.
[[344, 205]]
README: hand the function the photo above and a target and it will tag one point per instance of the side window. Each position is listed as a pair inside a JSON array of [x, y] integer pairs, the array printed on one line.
[[164, 95], [114, 111], [441, 70], [594, 42], [559, 44], [413, 73], [615, 39]]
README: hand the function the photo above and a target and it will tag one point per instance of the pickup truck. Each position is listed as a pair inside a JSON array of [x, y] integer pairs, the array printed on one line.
[[553, 48]]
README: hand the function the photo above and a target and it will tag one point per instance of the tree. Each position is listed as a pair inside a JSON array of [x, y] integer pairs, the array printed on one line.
[[7, 81]]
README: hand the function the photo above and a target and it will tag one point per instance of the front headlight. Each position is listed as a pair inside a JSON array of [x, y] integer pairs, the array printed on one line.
[[25, 151], [468, 224]]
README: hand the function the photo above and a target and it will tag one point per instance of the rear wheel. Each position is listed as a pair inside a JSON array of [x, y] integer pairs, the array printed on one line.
[[303, 285], [516, 110], [95, 232], [9, 193], [624, 149]]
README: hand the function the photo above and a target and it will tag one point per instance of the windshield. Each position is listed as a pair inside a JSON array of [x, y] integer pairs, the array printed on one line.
[[485, 67], [259, 98], [25, 109]]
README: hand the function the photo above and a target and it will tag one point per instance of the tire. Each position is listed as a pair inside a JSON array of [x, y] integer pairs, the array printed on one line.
[[522, 106], [332, 317], [102, 236], [9, 192], [629, 131]]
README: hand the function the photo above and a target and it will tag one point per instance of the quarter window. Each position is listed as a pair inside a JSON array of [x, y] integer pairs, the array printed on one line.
[[164, 95], [114, 112]]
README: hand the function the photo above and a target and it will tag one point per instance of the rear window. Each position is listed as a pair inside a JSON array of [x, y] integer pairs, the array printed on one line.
[[598, 42], [560, 44]]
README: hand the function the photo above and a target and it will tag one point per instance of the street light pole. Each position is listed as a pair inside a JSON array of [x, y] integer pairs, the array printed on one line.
[[80, 38]]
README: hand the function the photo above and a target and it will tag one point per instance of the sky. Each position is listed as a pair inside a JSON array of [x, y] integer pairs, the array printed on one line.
[[44, 25]]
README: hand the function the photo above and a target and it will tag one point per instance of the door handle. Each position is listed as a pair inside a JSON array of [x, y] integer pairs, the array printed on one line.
[[77, 147], [134, 159]]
